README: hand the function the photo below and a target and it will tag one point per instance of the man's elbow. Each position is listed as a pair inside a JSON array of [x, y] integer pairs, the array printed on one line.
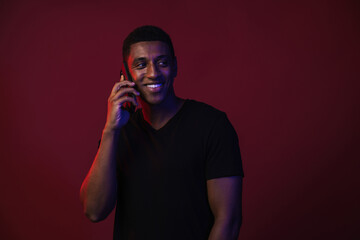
[[94, 217], [93, 213]]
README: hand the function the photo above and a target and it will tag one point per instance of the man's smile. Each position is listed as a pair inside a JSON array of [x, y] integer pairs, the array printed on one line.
[[154, 87]]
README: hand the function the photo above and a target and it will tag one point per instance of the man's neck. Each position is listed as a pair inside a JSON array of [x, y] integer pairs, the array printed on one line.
[[158, 115]]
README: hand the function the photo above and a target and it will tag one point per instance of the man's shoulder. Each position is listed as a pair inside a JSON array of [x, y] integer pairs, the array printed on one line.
[[207, 115], [203, 109]]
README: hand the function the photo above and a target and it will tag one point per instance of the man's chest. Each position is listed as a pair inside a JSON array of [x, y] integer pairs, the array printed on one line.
[[163, 154]]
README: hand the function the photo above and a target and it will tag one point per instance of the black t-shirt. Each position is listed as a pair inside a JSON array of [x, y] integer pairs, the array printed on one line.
[[162, 173]]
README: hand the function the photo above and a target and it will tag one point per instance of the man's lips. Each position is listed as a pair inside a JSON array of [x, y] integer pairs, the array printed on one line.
[[154, 87]]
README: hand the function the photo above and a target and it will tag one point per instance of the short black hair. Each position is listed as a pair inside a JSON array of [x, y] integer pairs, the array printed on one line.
[[145, 34]]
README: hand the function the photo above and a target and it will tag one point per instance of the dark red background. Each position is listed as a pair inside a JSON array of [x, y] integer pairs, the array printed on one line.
[[285, 72]]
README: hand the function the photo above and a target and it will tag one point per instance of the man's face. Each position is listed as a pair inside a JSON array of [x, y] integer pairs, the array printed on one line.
[[153, 70]]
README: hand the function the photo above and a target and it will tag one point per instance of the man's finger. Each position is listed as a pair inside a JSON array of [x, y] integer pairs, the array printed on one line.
[[124, 91], [124, 99], [121, 84]]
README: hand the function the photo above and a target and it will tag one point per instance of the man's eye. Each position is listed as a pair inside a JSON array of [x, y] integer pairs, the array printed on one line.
[[140, 65], [163, 63]]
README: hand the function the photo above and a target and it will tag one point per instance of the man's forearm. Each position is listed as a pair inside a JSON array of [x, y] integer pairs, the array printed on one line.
[[225, 229], [98, 191]]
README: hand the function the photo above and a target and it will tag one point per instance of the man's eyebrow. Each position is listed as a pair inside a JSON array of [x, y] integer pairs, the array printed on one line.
[[162, 56], [139, 59]]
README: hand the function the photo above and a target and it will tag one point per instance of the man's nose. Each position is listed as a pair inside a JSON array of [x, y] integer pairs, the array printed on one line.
[[152, 71]]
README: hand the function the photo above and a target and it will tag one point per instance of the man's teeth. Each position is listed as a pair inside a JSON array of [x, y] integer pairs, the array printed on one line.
[[154, 85]]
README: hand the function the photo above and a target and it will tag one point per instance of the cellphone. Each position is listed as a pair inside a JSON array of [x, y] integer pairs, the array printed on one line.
[[128, 106]]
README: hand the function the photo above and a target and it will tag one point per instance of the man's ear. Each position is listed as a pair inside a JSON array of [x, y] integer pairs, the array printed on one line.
[[174, 67]]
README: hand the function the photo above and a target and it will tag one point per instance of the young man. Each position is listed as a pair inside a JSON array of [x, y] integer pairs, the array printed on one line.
[[172, 168]]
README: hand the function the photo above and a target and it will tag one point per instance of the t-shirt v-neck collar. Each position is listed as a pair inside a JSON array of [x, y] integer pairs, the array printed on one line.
[[169, 123]]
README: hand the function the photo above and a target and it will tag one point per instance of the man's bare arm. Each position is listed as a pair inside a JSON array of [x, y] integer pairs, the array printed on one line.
[[99, 189], [225, 202]]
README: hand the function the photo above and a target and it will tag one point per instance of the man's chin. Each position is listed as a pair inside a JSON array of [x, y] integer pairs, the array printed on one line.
[[156, 99], [153, 101]]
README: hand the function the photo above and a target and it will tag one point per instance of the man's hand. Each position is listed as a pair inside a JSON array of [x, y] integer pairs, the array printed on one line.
[[116, 116]]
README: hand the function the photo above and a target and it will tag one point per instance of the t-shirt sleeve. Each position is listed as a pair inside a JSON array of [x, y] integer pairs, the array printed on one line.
[[223, 157]]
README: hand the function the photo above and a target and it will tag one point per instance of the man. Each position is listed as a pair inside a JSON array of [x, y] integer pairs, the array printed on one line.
[[173, 167]]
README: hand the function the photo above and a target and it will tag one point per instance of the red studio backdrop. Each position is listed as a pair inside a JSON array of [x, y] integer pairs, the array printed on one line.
[[285, 72]]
